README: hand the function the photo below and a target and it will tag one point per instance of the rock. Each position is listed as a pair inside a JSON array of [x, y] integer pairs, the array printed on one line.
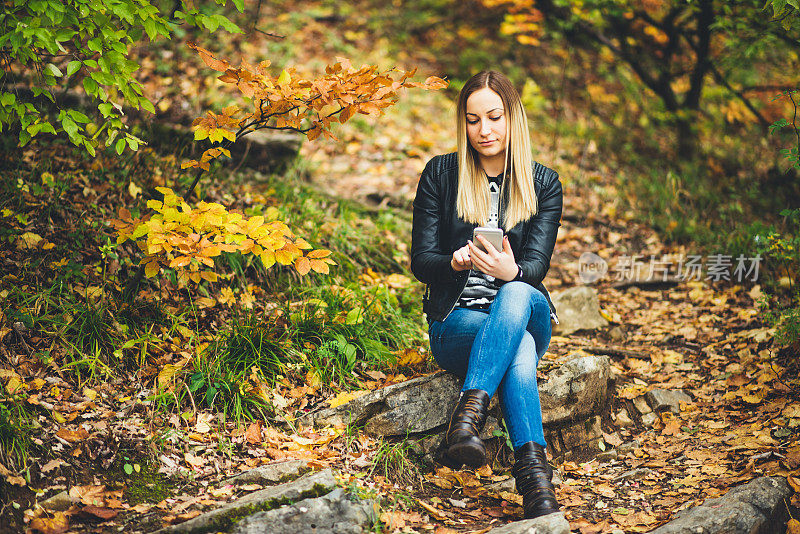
[[554, 523], [271, 473], [334, 513], [575, 390], [753, 508], [572, 396], [578, 309], [579, 441], [220, 519], [667, 399], [607, 456], [418, 405], [623, 419], [649, 419], [59, 502], [641, 405]]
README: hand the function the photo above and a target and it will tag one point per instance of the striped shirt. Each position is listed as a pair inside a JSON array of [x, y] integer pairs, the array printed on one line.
[[481, 288]]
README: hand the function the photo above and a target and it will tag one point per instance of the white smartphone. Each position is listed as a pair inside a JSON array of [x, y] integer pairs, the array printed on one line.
[[492, 235]]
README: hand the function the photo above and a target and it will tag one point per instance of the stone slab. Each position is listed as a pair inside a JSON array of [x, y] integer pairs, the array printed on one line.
[[221, 519], [754, 508], [334, 513], [554, 523]]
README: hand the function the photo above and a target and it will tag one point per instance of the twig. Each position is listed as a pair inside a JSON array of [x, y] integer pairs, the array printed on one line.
[[191, 398]]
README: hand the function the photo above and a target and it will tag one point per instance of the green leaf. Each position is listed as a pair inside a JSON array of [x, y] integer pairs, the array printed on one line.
[[7, 99], [120, 146], [89, 147], [147, 105], [90, 86], [128, 468], [69, 126], [77, 116], [150, 28], [53, 70], [96, 44], [227, 23], [73, 67], [239, 5]]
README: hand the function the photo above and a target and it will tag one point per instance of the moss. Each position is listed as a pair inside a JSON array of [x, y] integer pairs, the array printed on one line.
[[145, 485], [225, 520]]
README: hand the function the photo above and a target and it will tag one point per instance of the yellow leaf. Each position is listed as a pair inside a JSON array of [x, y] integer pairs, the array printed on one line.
[[793, 527], [28, 240], [284, 78], [134, 190], [283, 257], [166, 375], [208, 275], [345, 397], [267, 258], [151, 269]]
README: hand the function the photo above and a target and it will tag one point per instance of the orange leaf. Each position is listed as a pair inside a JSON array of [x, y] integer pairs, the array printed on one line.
[[180, 261], [303, 265], [253, 434], [320, 266], [319, 253], [58, 524], [72, 436]]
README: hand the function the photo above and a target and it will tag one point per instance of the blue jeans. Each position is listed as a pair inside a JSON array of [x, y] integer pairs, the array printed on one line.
[[500, 348]]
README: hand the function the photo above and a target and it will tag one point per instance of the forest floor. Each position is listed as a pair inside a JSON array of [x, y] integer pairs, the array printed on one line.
[[128, 464]]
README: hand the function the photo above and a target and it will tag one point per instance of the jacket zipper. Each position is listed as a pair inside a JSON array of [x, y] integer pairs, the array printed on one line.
[[456, 301]]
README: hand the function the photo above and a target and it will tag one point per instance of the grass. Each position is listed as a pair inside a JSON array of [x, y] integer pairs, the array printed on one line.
[[393, 461], [16, 426]]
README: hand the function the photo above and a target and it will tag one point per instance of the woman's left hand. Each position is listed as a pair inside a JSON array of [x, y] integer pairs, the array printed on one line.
[[492, 262]]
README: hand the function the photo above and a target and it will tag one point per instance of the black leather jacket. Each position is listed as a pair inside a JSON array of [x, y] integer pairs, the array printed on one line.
[[437, 232]]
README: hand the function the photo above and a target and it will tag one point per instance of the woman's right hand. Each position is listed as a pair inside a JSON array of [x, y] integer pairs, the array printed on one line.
[[461, 260]]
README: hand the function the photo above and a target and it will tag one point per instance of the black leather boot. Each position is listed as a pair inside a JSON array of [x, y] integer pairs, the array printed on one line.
[[463, 434], [533, 476]]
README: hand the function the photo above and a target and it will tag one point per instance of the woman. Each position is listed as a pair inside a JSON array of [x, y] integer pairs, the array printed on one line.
[[488, 313]]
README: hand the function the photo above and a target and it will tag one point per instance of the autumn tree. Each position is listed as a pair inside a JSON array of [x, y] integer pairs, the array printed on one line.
[[672, 46], [188, 238]]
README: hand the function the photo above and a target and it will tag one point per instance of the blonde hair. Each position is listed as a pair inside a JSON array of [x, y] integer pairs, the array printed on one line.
[[472, 200]]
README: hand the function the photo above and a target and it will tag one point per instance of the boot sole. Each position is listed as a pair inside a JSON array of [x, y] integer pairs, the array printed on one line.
[[468, 453]]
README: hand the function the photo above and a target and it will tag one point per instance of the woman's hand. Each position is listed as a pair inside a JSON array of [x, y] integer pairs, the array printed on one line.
[[498, 264], [461, 260]]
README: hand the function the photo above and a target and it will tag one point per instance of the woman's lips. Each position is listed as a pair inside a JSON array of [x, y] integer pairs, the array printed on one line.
[[486, 142]]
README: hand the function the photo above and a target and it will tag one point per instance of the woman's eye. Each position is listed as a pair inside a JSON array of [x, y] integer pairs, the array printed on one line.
[[472, 122]]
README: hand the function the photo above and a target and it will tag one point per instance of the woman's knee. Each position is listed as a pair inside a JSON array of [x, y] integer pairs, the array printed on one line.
[[517, 293]]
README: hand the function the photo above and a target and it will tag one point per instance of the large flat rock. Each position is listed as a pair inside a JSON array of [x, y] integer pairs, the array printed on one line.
[[334, 513], [572, 396], [223, 518], [416, 405], [554, 523], [754, 508]]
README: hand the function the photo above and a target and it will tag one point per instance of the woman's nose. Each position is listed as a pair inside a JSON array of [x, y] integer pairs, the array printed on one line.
[[485, 127]]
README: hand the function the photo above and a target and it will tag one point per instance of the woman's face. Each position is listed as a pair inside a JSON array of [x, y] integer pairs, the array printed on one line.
[[486, 123]]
